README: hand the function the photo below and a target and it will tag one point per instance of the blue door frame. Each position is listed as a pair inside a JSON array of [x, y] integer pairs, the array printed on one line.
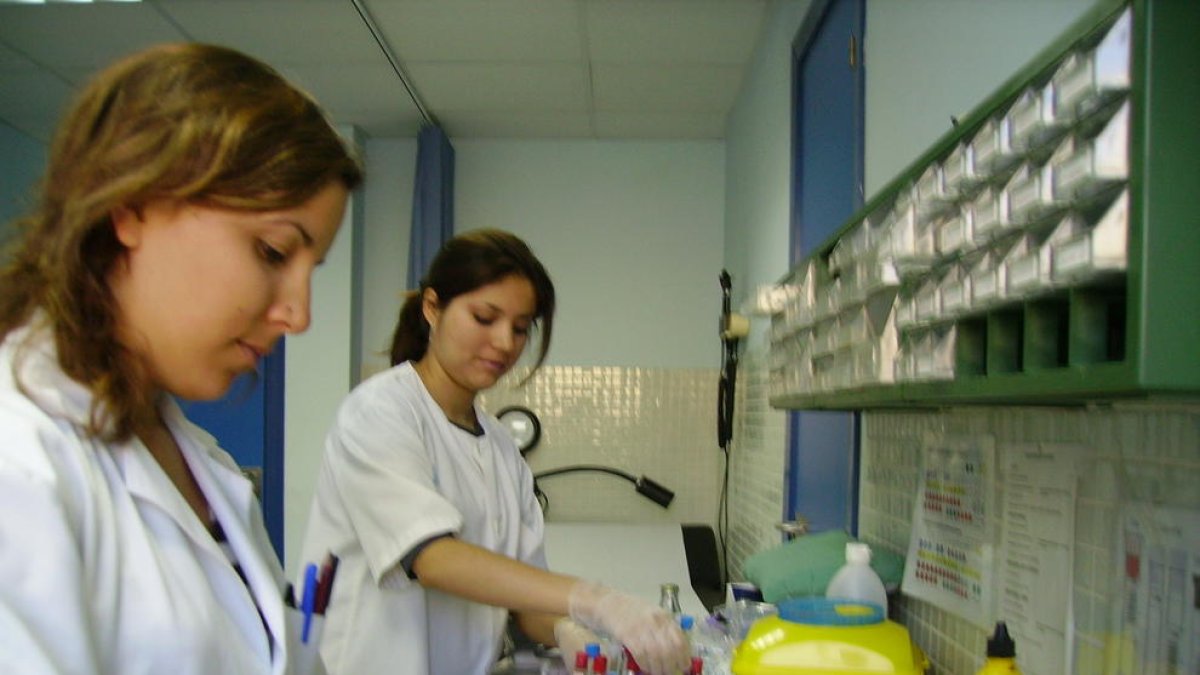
[[248, 423], [828, 138]]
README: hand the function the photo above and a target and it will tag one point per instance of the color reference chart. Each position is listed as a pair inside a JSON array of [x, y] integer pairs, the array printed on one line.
[[1159, 625], [949, 562]]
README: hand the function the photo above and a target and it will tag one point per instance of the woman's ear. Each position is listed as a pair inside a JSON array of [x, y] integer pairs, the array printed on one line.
[[127, 225], [429, 306]]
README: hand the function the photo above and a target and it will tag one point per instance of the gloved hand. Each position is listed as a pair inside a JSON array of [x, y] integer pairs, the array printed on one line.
[[572, 638], [651, 634]]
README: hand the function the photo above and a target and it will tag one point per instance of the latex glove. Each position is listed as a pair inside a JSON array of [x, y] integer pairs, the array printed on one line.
[[572, 638], [650, 633]]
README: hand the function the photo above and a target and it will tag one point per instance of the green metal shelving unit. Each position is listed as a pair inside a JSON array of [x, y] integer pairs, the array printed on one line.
[[1136, 335]]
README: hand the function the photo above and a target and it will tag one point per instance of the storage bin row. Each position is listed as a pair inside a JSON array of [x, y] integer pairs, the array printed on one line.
[[1055, 142], [1076, 249], [1039, 206], [1075, 328]]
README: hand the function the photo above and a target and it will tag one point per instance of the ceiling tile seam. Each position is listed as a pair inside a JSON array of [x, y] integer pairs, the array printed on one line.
[[585, 57], [170, 18], [385, 47], [49, 69]]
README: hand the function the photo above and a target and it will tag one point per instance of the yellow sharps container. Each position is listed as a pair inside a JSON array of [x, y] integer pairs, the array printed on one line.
[[819, 636]]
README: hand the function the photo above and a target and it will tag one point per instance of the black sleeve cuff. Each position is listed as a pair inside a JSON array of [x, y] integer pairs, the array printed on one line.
[[406, 563]]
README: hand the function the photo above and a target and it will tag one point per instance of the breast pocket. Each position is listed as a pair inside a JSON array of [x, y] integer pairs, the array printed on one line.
[[304, 657]]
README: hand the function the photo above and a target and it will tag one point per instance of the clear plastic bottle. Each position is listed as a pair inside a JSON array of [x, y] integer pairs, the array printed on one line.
[[1001, 653], [668, 598], [856, 580]]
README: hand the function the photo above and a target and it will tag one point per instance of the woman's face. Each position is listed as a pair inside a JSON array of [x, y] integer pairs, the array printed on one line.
[[204, 293], [478, 336]]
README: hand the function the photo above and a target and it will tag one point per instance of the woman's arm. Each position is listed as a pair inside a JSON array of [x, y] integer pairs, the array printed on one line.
[[477, 574], [539, 626]]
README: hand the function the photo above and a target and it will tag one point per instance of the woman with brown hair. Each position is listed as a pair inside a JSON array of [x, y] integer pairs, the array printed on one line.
[[429, 506], [189, 193]]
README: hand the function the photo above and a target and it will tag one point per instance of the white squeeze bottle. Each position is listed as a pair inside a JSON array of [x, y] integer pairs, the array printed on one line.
[[856, 580]]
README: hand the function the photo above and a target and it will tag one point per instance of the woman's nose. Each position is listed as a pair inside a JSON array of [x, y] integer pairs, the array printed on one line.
[[291, 308], [504, 337]]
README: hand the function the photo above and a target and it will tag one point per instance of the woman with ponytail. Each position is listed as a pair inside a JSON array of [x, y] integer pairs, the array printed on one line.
[[428, 505]]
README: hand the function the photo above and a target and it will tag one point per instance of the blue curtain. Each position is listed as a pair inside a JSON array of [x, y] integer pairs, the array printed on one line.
[[433, 201]]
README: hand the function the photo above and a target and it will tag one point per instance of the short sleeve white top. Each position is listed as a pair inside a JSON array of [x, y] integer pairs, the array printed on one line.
[[395, 473]]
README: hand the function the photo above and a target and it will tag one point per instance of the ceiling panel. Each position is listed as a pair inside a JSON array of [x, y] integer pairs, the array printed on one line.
[[82, 35], [282, 32], [32, 100], [502, 87], [516, 124], [480, 30], [503, 68], [673, 31], [628, 88]]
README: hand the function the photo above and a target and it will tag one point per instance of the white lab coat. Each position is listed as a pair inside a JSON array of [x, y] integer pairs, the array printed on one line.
[[396, 472], [104, 568]]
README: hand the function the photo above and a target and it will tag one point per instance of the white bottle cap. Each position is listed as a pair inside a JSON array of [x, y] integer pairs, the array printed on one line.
[[857, 552]]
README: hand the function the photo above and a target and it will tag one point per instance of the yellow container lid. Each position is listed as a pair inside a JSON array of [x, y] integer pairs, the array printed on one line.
[[781, 645]]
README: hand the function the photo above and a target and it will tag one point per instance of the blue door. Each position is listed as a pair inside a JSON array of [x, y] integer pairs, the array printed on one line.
[[828, 76], [248, 423]]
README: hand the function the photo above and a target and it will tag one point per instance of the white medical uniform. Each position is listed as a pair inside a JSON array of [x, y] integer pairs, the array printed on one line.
[[104, 568], [396, 472]]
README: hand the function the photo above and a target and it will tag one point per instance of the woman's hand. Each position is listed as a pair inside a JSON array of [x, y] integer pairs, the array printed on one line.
[[651, 634]]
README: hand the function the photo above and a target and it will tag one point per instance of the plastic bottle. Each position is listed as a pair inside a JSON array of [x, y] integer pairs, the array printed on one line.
[[1001, 653], [669, 598], [856, 580]]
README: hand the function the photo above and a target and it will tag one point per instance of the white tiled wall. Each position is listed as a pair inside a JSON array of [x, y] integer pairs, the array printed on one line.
[[657, 422], [757, 458], [1134, 452]]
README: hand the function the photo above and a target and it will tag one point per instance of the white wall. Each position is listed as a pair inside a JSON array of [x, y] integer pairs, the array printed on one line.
[[319, 372], [630, 232], [929, 59], [391, 168], [759, 158], [757, 221]]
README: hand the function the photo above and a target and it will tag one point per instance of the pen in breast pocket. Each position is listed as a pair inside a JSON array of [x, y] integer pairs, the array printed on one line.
[[325, 583], [308, 600]]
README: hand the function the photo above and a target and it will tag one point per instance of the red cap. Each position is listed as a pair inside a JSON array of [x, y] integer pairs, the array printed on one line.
[[600, 664], [631, 663], [697, 665], [581, 661]]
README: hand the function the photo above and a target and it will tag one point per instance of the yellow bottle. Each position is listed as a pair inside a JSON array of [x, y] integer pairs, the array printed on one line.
[[1001, 654]]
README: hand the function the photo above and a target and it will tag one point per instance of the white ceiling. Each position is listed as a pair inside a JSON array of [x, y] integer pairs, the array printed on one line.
[[483, 68]]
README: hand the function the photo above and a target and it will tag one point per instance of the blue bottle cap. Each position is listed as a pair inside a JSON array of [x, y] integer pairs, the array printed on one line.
[[817, 611], [593, 649], [686, 621]]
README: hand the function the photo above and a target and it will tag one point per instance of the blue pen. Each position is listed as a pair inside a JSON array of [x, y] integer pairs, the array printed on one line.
[[309, 599]]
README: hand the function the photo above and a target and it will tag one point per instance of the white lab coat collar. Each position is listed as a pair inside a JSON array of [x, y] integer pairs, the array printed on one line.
[[230, 495]]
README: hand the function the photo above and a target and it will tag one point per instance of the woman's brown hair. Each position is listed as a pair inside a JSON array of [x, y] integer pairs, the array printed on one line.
[[469, 261], [190, 122]]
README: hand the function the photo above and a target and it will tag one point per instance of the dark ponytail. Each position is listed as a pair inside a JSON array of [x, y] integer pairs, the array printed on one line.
[[466, 262], [411, 337]]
